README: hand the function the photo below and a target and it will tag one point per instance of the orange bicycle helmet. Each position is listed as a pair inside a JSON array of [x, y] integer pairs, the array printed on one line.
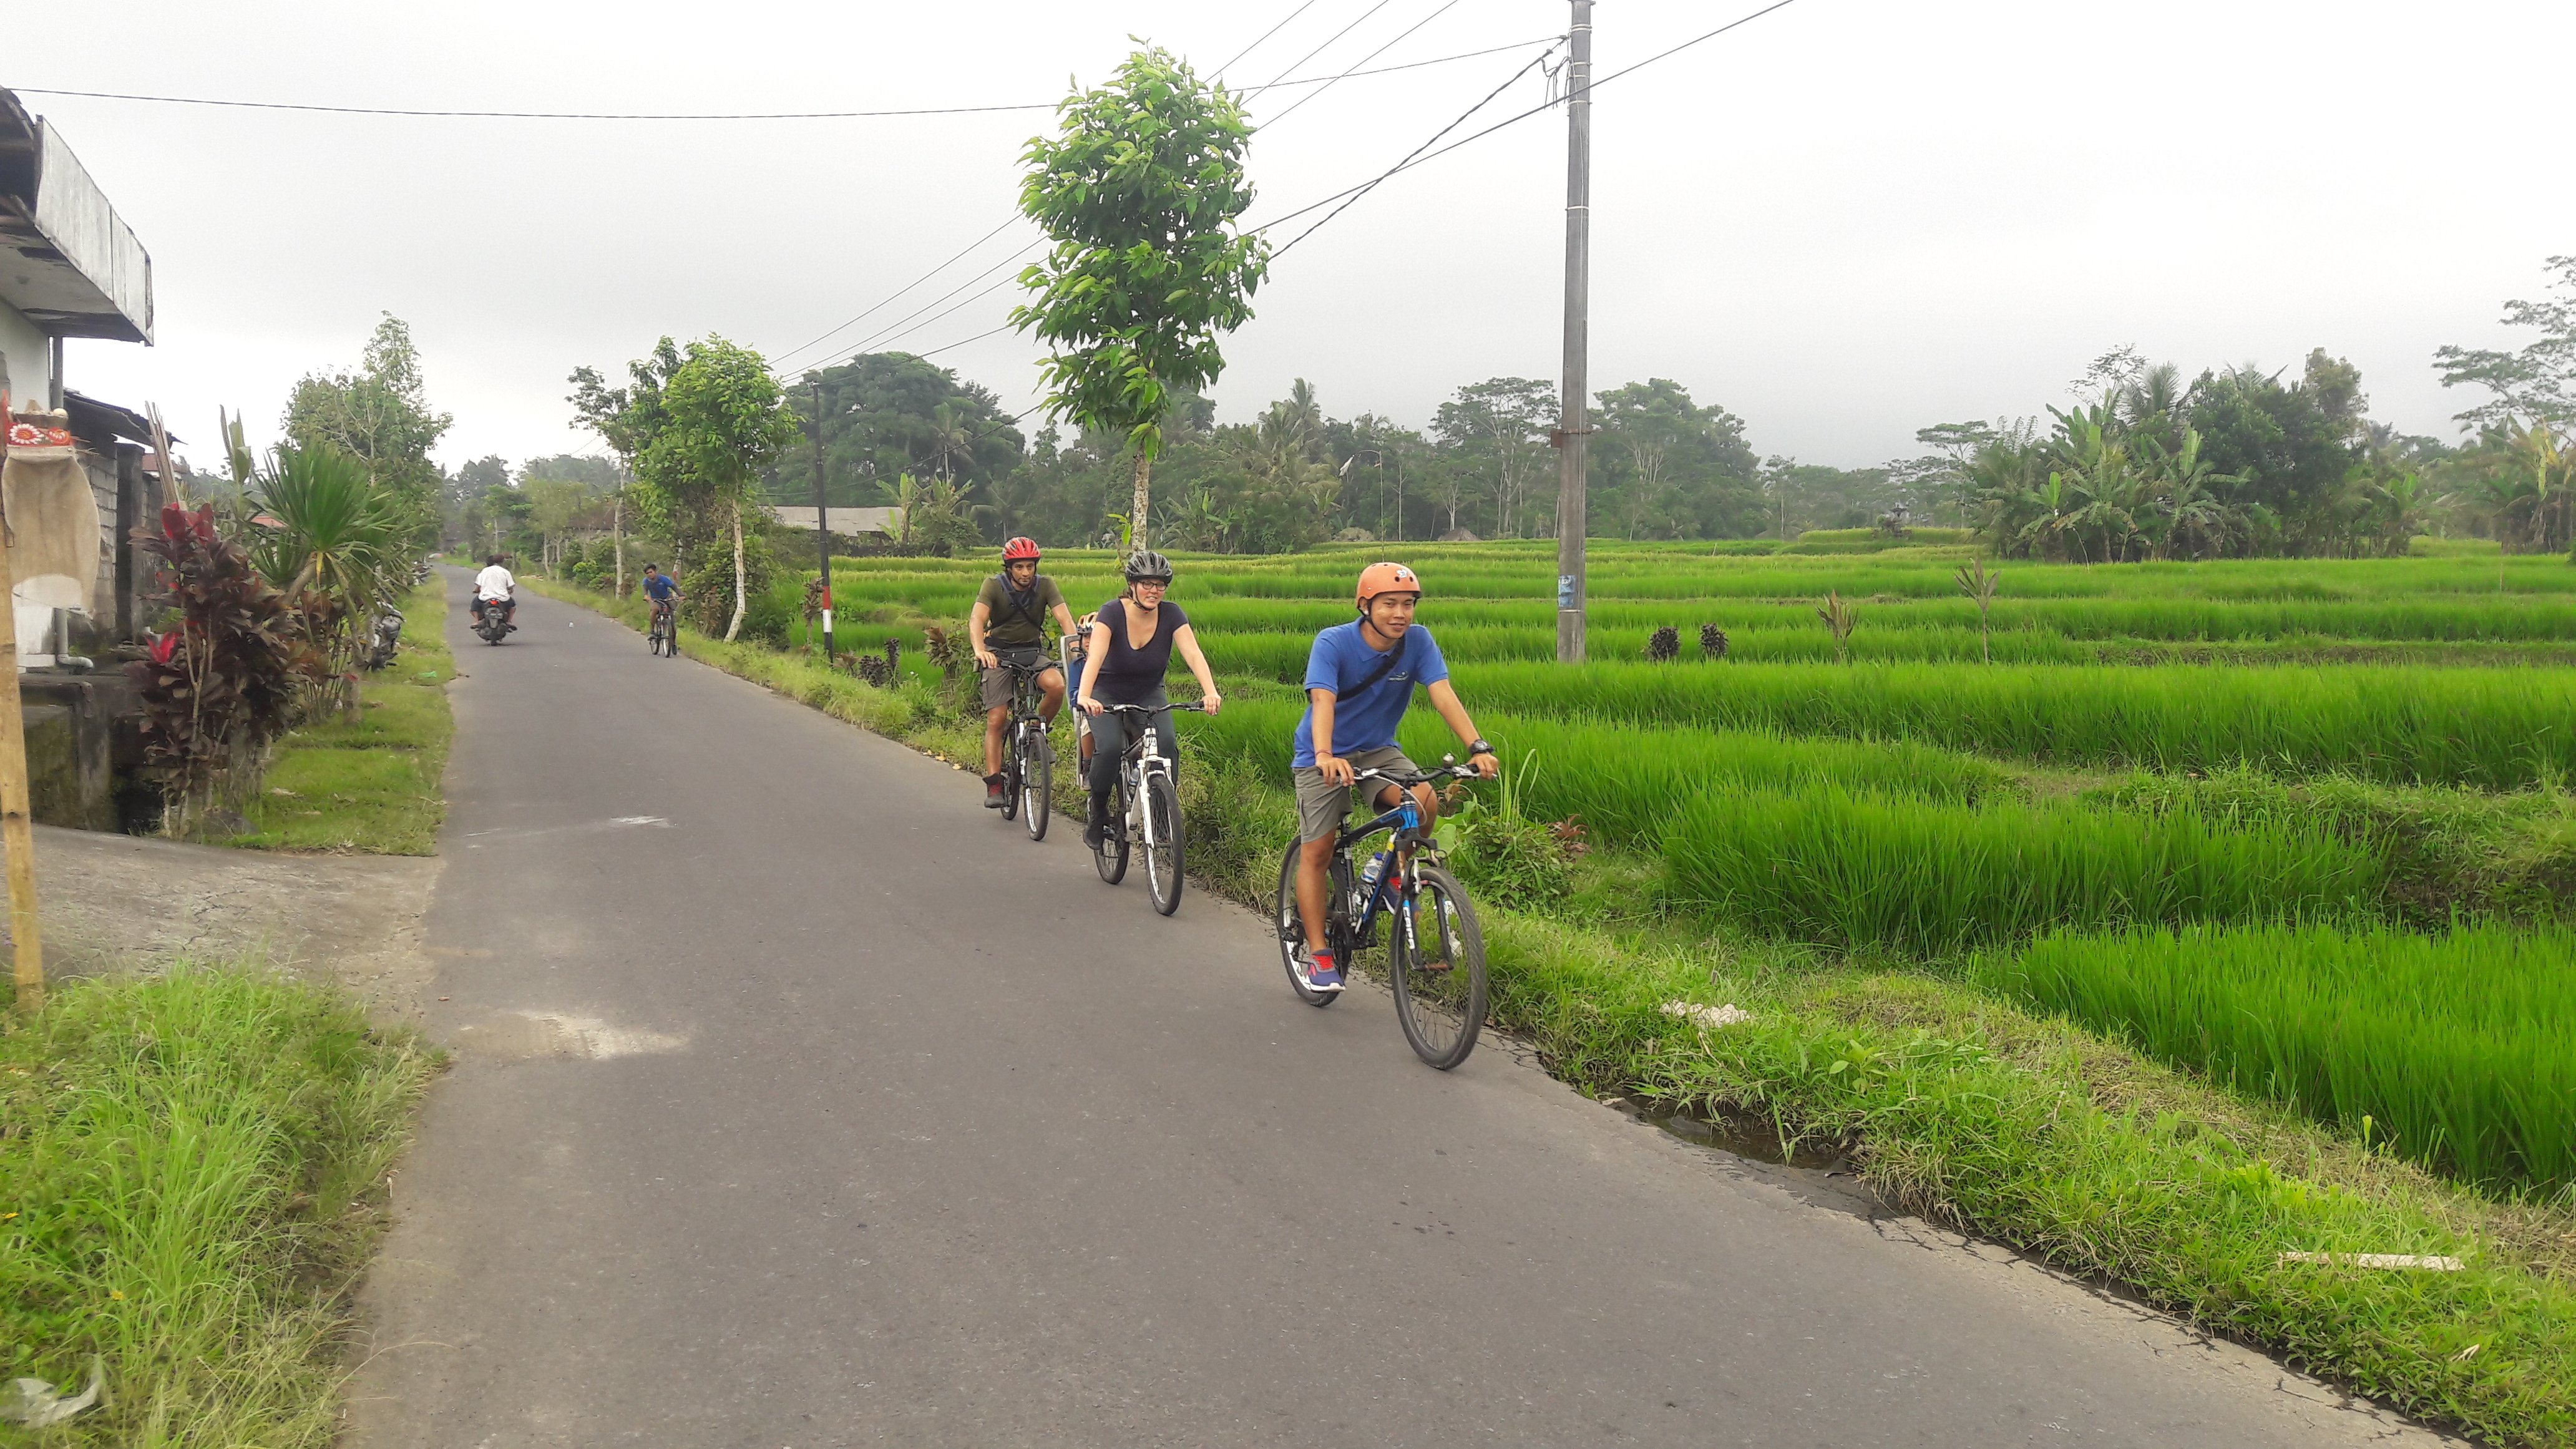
[[1387, 578], [1019, 548]]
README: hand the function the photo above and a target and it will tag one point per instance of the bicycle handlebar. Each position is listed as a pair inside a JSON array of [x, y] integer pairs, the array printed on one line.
[[1445, 772], [1107, 708]]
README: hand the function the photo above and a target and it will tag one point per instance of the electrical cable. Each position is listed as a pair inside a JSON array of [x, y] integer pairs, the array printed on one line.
[[902, 326], [1328, 41], [1418, 159], [1319, 80], [1220, 71], [908, 286], [1445, 7]]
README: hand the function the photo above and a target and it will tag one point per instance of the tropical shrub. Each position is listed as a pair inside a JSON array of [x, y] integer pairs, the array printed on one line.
[[221, 685]]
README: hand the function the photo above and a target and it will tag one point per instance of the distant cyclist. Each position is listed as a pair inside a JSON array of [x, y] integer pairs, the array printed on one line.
[[661, 588], [1009, 622], [1128, 651], [1359, 682], [494, 588]]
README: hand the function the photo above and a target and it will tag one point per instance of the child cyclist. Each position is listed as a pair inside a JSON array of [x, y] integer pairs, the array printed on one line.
[[1359, 681]]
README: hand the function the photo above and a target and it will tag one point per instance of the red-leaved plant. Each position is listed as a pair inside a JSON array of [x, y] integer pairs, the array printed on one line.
[[218, 688]]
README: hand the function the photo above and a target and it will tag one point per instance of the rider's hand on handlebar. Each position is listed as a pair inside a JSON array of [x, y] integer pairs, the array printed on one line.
[[985, 658], [1337, 771], [1088, 705], [1486, 765], [1210, 703]]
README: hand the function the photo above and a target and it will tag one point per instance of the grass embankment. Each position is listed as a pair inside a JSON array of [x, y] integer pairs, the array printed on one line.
[[2038, 1132], [191, 1168], [370, 787]]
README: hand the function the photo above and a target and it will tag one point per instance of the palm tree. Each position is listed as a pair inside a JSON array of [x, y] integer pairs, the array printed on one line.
[[336, 550]]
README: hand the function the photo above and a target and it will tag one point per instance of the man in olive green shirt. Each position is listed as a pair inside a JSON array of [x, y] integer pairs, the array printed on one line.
[[1009, 622]]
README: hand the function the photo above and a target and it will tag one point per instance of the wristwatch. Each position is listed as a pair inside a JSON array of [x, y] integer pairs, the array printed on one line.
[[1479, 747]]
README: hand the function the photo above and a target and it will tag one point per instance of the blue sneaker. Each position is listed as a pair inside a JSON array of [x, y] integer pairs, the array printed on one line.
[[1318, 971]]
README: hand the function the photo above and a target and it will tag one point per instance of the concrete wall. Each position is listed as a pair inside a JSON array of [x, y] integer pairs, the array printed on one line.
[[25, 357]]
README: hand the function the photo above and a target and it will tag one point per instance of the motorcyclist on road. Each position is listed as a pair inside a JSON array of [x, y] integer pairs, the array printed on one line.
[[494, 588]]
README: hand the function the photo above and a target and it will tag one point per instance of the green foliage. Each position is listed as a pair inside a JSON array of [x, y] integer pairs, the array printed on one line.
[[2451, 1048], [221, 684], [2537, 382], [192, 1165], [380, 415], [1500, 849], [342, 547], [1821, 863], [1140, 189]]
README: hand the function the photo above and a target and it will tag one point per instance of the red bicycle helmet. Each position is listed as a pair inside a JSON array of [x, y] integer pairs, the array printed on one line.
[[1020, 548]]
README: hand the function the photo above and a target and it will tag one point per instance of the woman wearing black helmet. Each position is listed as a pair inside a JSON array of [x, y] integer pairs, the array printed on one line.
[[1130, 648]]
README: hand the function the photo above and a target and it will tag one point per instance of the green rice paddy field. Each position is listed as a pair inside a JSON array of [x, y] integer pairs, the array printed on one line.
[[2299, 826]]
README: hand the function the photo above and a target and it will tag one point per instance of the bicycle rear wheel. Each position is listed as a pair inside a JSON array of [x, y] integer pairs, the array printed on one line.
[[1163, 843], [1437, 969], [1291, 925], [1037, 779], [1110, 855]]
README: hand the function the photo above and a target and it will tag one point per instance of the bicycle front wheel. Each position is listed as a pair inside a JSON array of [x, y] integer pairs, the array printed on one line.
[[1163, 843], [1110, 855], [1037, 780], [1435, 956]]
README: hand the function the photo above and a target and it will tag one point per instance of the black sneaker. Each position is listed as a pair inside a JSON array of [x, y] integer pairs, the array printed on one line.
[[996, 791]]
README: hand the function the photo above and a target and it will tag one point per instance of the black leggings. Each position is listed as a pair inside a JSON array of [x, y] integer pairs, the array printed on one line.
[[1109, 736]]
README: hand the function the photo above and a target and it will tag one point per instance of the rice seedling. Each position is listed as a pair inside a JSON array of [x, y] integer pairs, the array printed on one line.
[[2494, 728], [1822, 863], [2452, 1048]]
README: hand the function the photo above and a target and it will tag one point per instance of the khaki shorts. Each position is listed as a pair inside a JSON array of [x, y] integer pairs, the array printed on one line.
[[1321, 808], [997, 680]]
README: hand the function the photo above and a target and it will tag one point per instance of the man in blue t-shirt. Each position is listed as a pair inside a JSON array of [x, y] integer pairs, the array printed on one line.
[[1359, 681]]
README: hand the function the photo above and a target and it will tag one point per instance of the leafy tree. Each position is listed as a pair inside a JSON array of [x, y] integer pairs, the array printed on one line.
[[380, 415], [1140, 188], [340, 550], [890, 413], [1501, 424], [2534, 384], [627, 419], [724, 421], [596, 473]]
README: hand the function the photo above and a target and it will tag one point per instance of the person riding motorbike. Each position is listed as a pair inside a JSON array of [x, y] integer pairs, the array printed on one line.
[[1009, 621], [1359, 682], [494, 588], [1120, 667]]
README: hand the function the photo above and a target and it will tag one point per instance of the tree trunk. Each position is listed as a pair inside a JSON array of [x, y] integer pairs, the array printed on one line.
[[617, 533], [1144, 497], [735, 627]]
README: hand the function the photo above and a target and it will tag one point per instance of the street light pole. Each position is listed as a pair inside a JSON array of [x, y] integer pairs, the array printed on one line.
[[1573, 428]]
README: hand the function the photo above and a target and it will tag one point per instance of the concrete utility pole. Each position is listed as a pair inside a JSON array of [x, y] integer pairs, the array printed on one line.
[[1573, 428], [822, 524]]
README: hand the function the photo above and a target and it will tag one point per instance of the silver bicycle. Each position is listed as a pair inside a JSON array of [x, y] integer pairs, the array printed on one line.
[[1144, 811]]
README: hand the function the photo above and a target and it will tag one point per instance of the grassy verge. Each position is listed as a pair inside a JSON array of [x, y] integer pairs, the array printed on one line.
[[1970, 1110], [370, 787], [191, 1168]]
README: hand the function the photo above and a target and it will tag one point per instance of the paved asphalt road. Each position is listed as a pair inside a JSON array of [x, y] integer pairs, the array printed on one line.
[[800, 1102]]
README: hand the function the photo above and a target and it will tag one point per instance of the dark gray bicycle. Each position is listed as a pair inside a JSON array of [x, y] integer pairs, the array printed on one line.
[[1435, 951], [1029, 761]]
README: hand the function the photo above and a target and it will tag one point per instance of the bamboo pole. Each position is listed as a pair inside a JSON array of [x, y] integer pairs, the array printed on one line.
[[17, 832]]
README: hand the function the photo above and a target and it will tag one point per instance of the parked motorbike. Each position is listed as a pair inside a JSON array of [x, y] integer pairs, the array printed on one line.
[[388, 636]]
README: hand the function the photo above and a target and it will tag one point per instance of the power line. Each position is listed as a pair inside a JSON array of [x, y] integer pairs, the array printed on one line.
[[1220, 71], [1416, 160], [1328, 41], [1445, 7], [779, 365], [908, 286], [1320, 80]]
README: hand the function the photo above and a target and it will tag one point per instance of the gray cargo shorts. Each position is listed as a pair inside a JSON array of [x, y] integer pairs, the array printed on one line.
[[1321, 808], [997, 680]]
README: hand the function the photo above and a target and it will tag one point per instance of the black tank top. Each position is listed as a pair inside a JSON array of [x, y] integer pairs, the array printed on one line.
[[1129, 675]]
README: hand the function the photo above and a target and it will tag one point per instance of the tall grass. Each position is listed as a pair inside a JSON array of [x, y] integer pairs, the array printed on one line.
[[2455, 1048], [2495, 728], [1623, 785], [185, 1166], [1822, 863]]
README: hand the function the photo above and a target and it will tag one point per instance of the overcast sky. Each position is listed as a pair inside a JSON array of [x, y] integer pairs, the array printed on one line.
[[1845, 221]]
